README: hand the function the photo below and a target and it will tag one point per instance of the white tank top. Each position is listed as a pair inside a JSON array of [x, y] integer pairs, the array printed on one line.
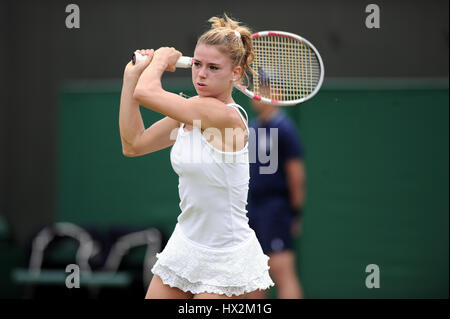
[[213, 189]]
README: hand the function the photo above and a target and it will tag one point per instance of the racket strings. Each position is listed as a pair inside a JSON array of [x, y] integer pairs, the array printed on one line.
[[285, 69]]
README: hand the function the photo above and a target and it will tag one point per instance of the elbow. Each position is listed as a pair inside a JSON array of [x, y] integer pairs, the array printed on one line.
[[127, 152]]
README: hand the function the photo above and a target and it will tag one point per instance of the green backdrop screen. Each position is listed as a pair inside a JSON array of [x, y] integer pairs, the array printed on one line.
[[377, 182]]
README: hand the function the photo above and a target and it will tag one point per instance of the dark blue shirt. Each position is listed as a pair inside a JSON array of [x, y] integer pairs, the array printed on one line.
[[289, 147]]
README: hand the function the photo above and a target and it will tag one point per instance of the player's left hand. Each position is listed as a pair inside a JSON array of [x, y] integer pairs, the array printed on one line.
[[134, 71]]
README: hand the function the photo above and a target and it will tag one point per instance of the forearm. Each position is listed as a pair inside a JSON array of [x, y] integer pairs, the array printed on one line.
[[130, 119], [296, 193], [149, 84], [295, 174]]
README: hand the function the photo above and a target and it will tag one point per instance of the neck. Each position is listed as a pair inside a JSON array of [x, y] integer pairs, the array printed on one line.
[[226, 96], [268, 113]]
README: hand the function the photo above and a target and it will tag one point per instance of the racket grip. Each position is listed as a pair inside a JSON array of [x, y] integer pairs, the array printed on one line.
[[183, 62]]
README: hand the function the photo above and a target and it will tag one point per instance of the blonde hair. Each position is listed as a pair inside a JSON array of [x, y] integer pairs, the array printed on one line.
[[238, 46]]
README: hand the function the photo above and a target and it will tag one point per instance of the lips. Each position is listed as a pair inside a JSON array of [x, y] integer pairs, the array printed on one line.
[[202, 85]]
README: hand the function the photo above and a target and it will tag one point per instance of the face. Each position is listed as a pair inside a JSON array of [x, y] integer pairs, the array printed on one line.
[[213, 72]]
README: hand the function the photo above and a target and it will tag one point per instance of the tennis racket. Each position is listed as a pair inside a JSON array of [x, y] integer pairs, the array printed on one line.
[[288, 69]]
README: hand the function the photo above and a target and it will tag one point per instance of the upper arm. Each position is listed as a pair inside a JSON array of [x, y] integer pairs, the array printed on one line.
[[295, 169], [210, 111], [290, 145], [160, 135]]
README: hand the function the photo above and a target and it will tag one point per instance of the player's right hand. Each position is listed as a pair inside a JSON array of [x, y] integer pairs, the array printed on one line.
[[135, 70]]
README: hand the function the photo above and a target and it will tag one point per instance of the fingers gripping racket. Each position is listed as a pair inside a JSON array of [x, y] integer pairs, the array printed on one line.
[[288, 69]]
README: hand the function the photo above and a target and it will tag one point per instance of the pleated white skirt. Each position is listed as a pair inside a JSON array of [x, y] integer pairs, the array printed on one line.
[[192, 267]]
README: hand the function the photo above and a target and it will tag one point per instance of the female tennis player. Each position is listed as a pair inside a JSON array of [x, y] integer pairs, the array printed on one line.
[[212, 253]]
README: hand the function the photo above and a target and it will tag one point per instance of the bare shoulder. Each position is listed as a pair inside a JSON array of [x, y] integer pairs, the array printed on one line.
[[237, 119], [207, 101], [212, 111]]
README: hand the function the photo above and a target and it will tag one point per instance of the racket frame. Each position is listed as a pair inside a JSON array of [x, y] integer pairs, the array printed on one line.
[[186, 62], [256, 97]]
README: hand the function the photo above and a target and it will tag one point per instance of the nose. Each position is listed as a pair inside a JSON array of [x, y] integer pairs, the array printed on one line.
[[202, 72]]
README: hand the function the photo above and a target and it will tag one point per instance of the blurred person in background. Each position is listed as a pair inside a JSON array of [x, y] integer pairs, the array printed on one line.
[[275, 199]]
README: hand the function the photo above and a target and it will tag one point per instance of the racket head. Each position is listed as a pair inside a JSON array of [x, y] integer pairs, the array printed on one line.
[[288, 69]]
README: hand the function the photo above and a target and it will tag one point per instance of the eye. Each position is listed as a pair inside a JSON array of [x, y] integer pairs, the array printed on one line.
[[197, 64], [212, 67]]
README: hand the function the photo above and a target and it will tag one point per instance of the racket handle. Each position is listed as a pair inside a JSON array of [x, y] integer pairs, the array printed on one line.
[[183, 62]]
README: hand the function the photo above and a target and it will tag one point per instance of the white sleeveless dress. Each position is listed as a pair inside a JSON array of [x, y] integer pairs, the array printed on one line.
[[212, 249]]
